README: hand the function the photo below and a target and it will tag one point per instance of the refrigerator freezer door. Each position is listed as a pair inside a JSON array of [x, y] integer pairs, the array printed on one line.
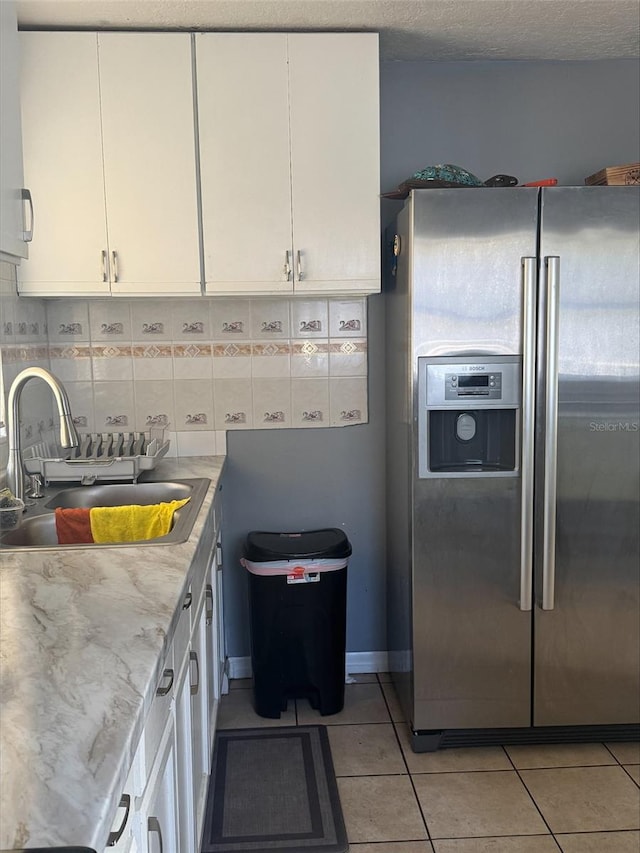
[[587, 622], [471, 651]]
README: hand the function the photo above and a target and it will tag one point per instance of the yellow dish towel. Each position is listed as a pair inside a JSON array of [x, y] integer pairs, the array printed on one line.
[[132, 522]]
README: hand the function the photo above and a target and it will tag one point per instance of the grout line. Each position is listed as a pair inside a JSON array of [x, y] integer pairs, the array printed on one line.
[[499, 837], [398, 841], [370, 773], [413, 787], [522, 782], [624, 767]]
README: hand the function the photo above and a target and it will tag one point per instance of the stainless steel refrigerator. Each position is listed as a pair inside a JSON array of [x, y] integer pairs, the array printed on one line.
[[513, 464]]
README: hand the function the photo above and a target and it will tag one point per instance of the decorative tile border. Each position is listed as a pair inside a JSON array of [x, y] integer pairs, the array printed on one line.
[[199, 350], [231, 350], [110, 351], [348, 347], [271, 348], [152, 351], [15, 353]]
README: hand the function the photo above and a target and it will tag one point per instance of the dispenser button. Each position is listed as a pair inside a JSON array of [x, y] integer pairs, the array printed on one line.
[[465, 426]]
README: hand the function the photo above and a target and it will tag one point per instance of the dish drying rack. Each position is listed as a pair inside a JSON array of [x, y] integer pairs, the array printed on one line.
[[99, 456]]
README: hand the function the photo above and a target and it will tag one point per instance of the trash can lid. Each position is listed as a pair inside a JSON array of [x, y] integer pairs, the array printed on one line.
[[262, 545]]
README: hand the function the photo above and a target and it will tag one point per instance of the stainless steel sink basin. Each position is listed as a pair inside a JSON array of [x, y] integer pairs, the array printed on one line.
[[39, 529], [121, 494], [37, 532]]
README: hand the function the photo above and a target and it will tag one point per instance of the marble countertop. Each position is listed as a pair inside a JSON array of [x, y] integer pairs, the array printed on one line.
[[82, 637]]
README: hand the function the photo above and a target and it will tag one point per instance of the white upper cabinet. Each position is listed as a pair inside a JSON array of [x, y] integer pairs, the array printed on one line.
[[62, 144], [146, 93], [335, 161], [243, 118], [109, 149], [13, 234], [289, 150]]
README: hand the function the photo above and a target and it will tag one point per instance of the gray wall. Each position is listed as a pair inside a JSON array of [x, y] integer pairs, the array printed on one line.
[[529, 119], [533, 120]]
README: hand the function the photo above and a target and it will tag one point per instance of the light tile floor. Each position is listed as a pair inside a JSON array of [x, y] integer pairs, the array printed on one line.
[[576, 798]]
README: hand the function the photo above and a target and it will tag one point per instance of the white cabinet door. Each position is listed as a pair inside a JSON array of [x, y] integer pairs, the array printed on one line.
[[216, 646], [158, 814], [62, 141], [12, 236], [335, 161], [199, 683], [243, 119], [184, 763], [149, 162]]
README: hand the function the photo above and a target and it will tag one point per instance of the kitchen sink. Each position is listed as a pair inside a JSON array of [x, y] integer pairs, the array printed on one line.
[[38, 528]]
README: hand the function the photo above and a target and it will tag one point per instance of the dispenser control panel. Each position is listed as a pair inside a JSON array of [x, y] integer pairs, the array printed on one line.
[[460, 385], [462, 382]]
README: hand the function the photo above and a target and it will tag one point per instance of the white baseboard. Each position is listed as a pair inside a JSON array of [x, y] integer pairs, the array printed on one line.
[[356, 662]]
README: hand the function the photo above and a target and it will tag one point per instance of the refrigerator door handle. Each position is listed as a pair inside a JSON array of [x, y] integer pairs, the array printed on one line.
[[552, 274], [529, 275]]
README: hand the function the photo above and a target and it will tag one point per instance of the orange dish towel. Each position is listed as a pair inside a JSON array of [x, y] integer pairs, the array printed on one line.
[[73, 526], [132, 523]]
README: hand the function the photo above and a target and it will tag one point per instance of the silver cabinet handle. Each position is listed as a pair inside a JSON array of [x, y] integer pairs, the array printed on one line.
[[105, 271], [162, 691], [287, 265], [153, 825], [552, 272], [114, 837], [299, 264], [529, 268], [193, 658], [27, 234], [208, 593], [114, 262], [186, 604]]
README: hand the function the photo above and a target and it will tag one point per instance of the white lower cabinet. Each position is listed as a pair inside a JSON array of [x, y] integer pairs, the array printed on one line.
[[163, 803]]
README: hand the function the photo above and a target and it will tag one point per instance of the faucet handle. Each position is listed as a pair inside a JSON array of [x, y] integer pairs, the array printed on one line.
[[35, 487]]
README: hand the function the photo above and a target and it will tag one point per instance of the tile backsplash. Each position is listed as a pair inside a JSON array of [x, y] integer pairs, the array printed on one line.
[[198, 367], [23, 343]]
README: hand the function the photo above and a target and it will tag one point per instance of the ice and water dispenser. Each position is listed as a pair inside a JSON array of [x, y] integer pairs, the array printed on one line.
[[469, 416]]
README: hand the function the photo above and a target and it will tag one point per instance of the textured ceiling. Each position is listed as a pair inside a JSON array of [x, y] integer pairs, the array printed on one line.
[[409, 29]]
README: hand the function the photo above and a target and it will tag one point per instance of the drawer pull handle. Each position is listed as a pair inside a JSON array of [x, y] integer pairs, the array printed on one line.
[[162, 691], [27, 234], [193, 657], [208, 592], [114, 837], [187, 601], [153, 825]]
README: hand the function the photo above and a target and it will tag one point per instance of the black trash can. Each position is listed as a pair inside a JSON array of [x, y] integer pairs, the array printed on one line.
[[298, 601]]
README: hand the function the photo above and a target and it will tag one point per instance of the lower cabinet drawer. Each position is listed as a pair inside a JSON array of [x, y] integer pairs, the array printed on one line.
[[159, 713]]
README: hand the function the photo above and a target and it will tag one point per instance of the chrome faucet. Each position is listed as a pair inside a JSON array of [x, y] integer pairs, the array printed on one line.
[[68, 434]]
